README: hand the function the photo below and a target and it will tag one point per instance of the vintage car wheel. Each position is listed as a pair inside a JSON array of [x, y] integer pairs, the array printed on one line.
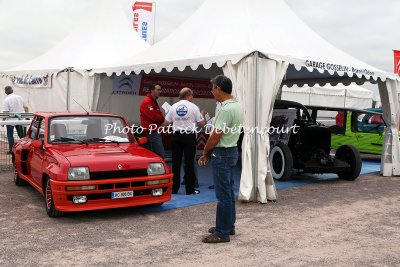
[[17, 180], [281, 161], [48, 194], [350, 155]]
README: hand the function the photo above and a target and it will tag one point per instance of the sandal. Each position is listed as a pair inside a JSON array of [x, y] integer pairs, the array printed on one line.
[[212, 231], [215, 239]]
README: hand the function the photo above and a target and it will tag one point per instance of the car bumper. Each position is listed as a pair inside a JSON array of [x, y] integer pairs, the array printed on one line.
[[100, 197]]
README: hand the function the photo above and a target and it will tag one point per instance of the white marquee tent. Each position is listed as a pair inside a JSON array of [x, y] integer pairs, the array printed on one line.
[[105, 37], [351, 96], [260, 45]]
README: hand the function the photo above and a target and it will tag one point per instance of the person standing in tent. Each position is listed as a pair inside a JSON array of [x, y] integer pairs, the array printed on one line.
[[151, 119], [184, 116], [13, 104], [221, 148]]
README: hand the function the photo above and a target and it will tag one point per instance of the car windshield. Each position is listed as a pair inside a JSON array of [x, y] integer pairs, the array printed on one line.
[[88, 129]]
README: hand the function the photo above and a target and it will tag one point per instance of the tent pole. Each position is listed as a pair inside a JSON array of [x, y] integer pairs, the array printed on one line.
[[255, 165], [68, 88]]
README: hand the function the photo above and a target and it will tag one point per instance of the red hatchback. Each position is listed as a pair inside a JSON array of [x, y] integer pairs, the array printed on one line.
[[89, 161]]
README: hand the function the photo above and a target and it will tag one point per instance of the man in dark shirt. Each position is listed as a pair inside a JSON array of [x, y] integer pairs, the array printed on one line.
[[151, 119]]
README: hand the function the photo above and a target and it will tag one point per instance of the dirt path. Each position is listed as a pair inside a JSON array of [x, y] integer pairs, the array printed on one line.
[[325, 224]]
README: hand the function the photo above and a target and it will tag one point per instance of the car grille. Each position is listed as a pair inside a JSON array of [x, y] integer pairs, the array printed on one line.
[[118, 174]]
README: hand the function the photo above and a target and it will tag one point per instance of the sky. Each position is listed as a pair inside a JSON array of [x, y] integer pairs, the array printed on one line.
[[367, 30]]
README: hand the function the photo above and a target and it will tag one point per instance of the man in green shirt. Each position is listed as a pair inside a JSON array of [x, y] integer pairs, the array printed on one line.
[[221, 148]]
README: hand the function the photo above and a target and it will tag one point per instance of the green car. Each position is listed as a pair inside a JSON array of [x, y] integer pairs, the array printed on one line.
[[364, 129]]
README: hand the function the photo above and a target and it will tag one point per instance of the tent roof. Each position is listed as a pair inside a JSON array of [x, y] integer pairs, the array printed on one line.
[[222, 30], [104, 38]]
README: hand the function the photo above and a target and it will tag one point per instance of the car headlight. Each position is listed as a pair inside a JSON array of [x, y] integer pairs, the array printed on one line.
[[78, 173], [155, 168]]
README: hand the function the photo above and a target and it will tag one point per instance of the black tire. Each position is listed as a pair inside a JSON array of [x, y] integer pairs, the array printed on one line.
[[17, 180], [281, 161], [48, 198], [349, 154]]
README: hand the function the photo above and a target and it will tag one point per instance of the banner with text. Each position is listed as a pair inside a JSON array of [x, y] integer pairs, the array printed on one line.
[[144, 20], [396, 61], [171, 86], [31, 81]]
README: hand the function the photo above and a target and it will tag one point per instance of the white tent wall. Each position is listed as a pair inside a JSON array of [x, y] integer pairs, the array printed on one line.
[[256, 83], [390, 160], [83, 89], [352, 96]]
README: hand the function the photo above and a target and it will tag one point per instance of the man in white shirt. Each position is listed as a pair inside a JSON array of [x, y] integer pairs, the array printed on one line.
[[13, 104], [184, 117]]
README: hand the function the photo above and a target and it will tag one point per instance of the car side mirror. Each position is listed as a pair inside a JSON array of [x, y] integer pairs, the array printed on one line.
[[37, 143], [142, 140]]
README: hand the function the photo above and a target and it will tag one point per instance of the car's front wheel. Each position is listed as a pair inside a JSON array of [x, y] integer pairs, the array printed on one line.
[[281, 161], [350, 155], [48, 194]]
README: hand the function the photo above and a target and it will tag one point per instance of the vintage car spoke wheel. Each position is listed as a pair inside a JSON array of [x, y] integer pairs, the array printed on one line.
[[50, 208], [350, 155], [281, 161], [17, 180]]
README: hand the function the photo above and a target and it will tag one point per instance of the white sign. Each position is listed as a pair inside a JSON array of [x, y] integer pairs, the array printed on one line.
[[144, 19], [166, 106], [31, 81]]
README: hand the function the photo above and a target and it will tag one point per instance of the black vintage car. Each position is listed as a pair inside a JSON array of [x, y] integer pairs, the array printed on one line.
[[307, 149]]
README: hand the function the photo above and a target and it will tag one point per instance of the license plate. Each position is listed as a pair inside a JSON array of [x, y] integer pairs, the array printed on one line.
[[122, 194]]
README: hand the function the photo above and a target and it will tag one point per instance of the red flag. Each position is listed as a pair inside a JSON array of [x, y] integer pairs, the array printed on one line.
[[396, 61], [142, 5]]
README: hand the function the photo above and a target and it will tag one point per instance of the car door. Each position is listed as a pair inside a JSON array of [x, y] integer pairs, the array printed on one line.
[[342, 132], [369, 133], [37, 154]]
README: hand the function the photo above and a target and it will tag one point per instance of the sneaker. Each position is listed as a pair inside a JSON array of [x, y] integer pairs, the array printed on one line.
[[195, 192], [215, 239], [212, 231], [211, 187]]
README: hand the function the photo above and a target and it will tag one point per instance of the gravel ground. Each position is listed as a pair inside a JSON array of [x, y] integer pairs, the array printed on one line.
[[336, 223]]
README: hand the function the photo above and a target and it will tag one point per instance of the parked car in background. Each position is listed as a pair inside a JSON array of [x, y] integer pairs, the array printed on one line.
[[78, 162], [363, 129], [308, 149]]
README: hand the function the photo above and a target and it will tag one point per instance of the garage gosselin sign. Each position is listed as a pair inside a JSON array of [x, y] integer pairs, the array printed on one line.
[[337, 67]]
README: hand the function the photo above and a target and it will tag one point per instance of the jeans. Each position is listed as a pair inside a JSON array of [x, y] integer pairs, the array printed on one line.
[[223, 161], [155, 144], [10, 134]]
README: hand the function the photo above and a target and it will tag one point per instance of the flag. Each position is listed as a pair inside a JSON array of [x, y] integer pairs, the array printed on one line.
[[396, 61], [144, 20]]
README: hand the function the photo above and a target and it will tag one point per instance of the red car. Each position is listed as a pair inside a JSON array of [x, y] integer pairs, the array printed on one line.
[[89, 161]]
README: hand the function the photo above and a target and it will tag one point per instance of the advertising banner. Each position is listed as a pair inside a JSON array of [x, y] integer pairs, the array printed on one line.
[[126, 85], [171, 86], [396, 61], [31, 81], [144, 20]]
